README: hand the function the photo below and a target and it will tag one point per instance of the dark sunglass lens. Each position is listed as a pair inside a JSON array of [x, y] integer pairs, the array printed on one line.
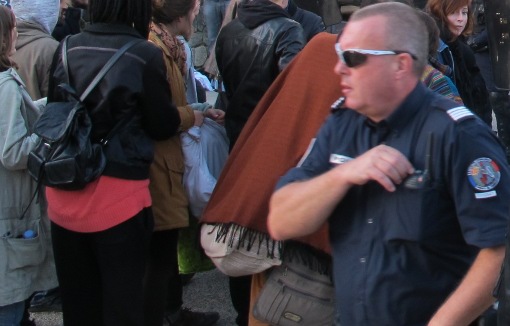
[[353, 59]]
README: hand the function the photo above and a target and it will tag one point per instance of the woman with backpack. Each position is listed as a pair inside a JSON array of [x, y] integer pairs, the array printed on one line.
[[101, 232], [26, 263]]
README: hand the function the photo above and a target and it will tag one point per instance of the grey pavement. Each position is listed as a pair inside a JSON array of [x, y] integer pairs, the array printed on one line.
[[207, 291]]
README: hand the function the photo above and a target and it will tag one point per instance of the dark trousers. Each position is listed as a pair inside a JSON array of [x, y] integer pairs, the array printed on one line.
[[162, 284], [101, 273], [240, 288]]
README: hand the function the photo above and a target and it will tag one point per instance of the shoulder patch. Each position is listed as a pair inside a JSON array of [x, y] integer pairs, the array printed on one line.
[[483, 174], [459, 113]]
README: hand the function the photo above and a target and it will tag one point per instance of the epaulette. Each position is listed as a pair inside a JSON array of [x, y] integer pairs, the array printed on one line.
[[337, 105], [459, 113], [455, 111]]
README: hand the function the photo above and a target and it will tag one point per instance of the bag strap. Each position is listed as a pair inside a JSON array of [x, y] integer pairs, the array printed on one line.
[[100, 75], [36, 191], [107, 67], [64, 58], [117, 126]]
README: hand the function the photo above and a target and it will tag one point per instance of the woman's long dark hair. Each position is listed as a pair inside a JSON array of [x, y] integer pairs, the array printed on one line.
[[7, 24], [135, 13]]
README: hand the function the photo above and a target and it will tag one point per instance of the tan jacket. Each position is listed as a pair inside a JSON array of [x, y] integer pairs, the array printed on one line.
[[169, 202], [34, 53]]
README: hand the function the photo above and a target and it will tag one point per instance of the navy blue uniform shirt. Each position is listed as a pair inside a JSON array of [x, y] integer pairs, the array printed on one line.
[[398, 255]]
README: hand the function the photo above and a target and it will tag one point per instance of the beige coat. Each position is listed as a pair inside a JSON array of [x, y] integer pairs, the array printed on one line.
[[26, 265], [34, 53], [169, 201]]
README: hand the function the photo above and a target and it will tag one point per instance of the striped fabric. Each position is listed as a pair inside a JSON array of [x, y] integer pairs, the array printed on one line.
[[439, 83]]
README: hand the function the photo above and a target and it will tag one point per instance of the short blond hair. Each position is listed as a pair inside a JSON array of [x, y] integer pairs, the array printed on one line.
[[405, 30]]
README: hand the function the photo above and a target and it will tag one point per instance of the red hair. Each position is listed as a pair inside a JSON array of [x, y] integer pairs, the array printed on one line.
[[440, 9]]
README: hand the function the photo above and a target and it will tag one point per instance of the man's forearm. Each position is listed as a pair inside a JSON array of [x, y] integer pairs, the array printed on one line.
[[474, 294], [301, 208]]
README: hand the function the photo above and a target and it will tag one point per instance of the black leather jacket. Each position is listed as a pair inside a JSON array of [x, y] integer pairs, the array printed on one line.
[[250, 57], [136, 87]]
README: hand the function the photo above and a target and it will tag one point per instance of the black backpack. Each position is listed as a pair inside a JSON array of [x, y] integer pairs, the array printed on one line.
[[65, 156]]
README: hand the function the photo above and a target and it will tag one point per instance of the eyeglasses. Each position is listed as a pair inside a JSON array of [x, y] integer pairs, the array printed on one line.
[[355, 57]]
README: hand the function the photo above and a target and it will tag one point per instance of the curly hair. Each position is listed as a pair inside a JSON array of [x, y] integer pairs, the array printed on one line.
[[7, 24]]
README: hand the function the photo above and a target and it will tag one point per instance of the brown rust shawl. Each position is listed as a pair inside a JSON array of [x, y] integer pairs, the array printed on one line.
[[274, 139]]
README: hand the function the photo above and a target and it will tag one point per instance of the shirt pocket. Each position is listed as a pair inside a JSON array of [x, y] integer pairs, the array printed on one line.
[[416, 215]]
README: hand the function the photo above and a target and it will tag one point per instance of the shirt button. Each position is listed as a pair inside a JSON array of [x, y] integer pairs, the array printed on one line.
[[370, 220], [362, 260]]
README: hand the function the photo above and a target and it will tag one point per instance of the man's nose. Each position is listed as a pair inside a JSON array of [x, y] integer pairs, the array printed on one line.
[[341, 68]]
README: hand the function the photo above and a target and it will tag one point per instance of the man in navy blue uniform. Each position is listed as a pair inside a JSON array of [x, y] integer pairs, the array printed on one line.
[[415, 188]]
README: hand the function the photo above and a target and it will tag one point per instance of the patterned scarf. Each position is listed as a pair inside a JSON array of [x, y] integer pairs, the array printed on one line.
[[173, 45]]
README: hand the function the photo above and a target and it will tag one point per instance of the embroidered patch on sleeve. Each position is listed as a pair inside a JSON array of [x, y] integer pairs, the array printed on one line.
[[459, 112], [483, 174], [339, 159], [487, 194]]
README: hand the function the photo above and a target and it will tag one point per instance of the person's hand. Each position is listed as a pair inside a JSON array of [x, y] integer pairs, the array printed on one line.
[[216, 115], [199, 118], [202, 107], [382, 164]]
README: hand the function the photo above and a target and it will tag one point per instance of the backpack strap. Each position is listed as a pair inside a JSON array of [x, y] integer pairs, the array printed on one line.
[[100, 75], [64, 58], [109, 64], [107, 67]]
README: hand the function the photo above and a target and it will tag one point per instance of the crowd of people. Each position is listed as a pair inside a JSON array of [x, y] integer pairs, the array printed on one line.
[[370, 153]]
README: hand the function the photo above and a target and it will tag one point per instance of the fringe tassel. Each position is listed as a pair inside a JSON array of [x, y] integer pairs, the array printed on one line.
[[293, 251], [312, 258], [237, 237]]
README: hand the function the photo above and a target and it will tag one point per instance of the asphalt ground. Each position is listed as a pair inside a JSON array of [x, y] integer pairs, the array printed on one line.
[[207, 291]]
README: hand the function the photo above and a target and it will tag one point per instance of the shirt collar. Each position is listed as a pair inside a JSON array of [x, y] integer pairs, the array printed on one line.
[[103, 28], [407, 110]]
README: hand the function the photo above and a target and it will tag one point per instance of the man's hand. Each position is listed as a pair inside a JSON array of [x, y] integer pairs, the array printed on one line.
[[383, 164]]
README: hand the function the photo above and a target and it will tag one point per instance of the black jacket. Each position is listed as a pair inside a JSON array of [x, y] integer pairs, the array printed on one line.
[[466, 74], [251, 51], [135, 86], [311, 23]]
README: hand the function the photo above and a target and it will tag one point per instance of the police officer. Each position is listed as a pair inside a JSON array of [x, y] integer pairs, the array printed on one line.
[[414, 187]]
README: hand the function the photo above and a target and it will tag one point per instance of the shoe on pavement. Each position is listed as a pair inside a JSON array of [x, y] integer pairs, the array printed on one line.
[[46, 301], [187, 317]]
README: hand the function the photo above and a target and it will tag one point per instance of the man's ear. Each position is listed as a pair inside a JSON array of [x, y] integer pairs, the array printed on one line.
[[404, 64]]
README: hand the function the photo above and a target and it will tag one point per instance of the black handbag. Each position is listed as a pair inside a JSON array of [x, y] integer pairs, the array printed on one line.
[[65, 156]]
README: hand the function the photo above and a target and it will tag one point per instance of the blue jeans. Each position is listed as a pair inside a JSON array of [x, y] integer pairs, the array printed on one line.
[[214, 11], [11, 315]]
